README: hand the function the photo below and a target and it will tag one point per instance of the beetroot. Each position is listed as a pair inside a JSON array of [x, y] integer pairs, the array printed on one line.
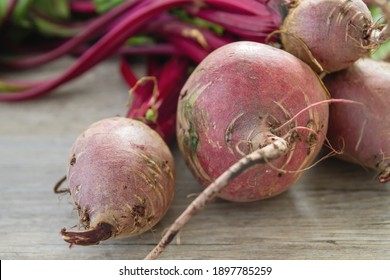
[[121, 179], [330, 35], [245, 104], [362, 132], [235, 102]]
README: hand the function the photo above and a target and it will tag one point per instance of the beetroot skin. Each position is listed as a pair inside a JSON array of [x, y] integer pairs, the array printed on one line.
[[362, 131], [238, 96], [121, 179]]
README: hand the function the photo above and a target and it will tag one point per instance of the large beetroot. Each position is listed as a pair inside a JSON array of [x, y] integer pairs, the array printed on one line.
[[121, 179], [235, 102], [362, 132], [251, 118]]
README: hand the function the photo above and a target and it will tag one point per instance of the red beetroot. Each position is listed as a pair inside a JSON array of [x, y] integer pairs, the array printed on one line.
[[121, 179], [362, 132], [330, 35], [235, 102], [251, 118]]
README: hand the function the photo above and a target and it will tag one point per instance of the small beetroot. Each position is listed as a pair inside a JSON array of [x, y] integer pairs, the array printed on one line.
[[331, 35], [121, 179]]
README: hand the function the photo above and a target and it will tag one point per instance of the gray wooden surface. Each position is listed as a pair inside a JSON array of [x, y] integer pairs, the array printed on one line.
[[336, 211]]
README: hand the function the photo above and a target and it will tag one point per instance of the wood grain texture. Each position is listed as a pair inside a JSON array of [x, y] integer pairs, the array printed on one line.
[[336, 211]]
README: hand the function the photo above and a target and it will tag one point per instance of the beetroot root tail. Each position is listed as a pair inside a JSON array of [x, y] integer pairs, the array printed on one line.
[[90, 236], [276, 149]]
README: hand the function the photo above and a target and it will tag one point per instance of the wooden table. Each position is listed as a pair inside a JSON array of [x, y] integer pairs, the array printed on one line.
[[336, 211]]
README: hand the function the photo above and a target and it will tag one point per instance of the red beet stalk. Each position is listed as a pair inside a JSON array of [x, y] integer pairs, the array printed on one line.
[[115, 38], [157, 110]]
